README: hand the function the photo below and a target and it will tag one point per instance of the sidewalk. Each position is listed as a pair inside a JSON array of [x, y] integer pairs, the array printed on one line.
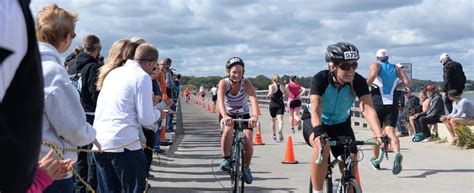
[[191, 164]]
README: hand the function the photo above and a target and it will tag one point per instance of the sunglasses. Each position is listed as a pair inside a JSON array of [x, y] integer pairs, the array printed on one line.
[[347, 66], [73, 35]]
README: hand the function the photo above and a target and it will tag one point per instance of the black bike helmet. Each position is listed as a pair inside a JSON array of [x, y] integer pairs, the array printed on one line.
[[232, 61], [340, 52]]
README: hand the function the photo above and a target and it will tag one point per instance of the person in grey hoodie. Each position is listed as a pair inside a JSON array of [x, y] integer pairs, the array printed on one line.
[[64, 121], [431, 115]]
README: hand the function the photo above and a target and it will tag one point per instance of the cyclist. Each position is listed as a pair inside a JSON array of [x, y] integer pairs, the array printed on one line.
[[332, 94], [232, 96]]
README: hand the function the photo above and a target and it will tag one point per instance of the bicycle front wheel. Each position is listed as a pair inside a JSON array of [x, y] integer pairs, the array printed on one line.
[[327, 186], [237, 178], [344, 188]]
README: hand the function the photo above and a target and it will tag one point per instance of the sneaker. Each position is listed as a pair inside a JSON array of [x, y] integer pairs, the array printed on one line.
[[160, 151], [397, 164], [274, 137], [374, 163], [428, 139], [248, 178], [281, 135], [150, 176], [224, 166], [300, 125]]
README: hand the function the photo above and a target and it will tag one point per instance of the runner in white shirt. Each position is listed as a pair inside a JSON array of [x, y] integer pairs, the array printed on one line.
[[124, 105], [214, 94]]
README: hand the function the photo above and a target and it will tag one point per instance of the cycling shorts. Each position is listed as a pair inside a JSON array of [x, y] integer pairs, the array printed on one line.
[[388, 114], [340, 129], [245, 124]]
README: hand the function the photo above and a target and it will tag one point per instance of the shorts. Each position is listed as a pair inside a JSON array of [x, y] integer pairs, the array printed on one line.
[[276, 109], [245, 124], [388, 114], [214, 98], [463, 120], [294, 104], [340, 129], [203, 95]]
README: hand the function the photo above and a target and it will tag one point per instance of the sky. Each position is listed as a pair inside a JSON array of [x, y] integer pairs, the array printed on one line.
[[283, 37]]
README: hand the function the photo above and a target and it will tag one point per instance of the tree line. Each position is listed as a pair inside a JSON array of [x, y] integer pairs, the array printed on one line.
[[261, 82]]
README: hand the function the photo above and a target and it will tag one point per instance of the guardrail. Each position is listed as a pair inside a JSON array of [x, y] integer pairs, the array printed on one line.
[[358, 120]]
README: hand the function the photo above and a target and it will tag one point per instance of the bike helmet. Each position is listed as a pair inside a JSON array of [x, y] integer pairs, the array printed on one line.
[[232, 61], [340, 52]]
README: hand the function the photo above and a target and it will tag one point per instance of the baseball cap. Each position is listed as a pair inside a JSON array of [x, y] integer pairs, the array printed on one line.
[[453, 93], [406, 90], [443, 56], [382, 53]]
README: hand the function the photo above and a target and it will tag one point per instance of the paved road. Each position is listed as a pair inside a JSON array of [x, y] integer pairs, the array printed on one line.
[[191, 164]]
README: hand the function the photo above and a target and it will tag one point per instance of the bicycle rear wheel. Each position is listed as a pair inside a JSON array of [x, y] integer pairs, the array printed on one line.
[[342, 188]]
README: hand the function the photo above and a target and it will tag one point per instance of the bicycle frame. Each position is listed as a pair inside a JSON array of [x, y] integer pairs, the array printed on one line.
[[237, 156], [347, 179]]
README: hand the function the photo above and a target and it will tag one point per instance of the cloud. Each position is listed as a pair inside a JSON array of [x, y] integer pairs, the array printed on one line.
[[283, 37]]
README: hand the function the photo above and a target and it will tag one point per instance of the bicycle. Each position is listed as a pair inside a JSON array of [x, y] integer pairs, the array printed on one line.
[[347, 179], [236, 166]]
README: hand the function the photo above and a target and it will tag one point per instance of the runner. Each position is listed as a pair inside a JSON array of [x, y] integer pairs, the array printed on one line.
[[333, 93], [233, 95], [384, 79], [187, 93], [214, 94], [294, 102], [276, 106]]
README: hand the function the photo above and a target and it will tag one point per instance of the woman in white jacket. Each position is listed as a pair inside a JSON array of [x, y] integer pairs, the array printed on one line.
[[64, 122]]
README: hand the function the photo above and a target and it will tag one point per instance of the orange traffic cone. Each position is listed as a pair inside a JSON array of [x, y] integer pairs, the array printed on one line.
[[258, 137], [163, 131], [289, 155], [208, 105], [213, 108], [203, 101], [258, 110]]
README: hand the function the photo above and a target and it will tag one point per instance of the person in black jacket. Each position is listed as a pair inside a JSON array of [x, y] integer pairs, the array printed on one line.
[[87, 62], [453, 77], [21, 97]]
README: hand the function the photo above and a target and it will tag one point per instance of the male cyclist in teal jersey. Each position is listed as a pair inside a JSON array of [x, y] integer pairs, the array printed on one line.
[[332, 94], [384, 79]]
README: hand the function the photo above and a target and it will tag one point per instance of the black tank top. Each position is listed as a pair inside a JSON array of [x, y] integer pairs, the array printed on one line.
[[277, 97]]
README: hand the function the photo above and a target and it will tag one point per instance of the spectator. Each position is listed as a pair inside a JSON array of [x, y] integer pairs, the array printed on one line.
[[384, 78], [21, 96], [453, 77], [88, 64], [415, 107], [49, 169], [430, 116], [124, 105], [462, 114], [65, 126], [70, 60], [115, 59]]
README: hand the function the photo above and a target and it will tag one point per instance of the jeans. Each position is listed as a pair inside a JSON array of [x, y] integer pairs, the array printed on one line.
[[421, 124], [169, 119], [157, 137], [85, 166], [61, 186], [121, 172], [150, 142]]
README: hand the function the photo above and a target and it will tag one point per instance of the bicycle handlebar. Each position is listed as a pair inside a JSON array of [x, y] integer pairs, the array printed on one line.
[[349, 142]]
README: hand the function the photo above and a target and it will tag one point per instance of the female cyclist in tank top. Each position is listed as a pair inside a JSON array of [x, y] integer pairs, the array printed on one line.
[[276, 106], [294, 101], [232, 97]]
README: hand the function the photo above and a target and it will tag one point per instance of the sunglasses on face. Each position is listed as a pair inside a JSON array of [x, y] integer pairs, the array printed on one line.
[[347, 66], [73, 35]]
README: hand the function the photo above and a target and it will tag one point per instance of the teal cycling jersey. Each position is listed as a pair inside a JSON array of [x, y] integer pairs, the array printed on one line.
[[337, 102]]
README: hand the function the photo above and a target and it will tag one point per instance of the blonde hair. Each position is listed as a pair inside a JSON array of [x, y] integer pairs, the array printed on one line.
[[115, 59], [54, 24], [276, 78]]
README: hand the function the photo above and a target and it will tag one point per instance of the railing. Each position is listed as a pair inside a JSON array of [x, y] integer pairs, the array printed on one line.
[[358, 120]]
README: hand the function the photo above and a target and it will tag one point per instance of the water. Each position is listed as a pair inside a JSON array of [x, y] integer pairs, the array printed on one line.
[[468, 95]]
